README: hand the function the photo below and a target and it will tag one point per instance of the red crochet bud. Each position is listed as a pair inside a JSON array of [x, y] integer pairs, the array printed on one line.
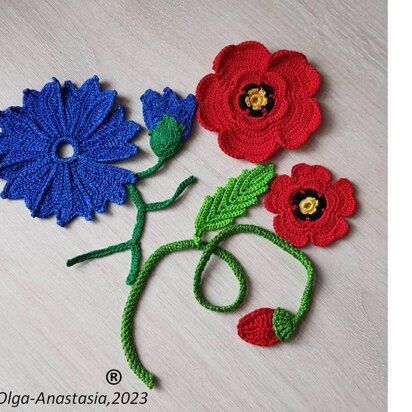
[[257, 327]]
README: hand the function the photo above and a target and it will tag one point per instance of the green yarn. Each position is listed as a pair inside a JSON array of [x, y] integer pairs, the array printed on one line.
[[167, 138], [180, 189], [284, 323], [145, 173], [136, 291], [233, 200], [133, 244]]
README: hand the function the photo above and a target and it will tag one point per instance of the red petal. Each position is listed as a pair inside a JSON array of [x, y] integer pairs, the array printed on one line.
[[340, 229], [305, 172], [256, 147], [246, 56], [278, 195], [346, 194], [212, 113], [289, 230], [301, 119], [257, 328], [302, 78]]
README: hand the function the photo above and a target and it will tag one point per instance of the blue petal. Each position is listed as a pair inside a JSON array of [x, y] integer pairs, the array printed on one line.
[[30, 184], [104, 182], [156, 105], [86, 107], [111, 141], [45, 109], [153, 108], [182, 110], [15, 162], [18, 131]]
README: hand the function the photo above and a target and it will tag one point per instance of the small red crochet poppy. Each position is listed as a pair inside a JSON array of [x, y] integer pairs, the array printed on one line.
[[259, 102], [309, 207]]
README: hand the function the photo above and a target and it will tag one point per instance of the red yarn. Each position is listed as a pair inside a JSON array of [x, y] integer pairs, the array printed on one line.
[[309, 207], [285, 119], [257, 328]]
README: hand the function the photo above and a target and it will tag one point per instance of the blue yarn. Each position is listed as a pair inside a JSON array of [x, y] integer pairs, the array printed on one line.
[[156, 105], [66, 187]]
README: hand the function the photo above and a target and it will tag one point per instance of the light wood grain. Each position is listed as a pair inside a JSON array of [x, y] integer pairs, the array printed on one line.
[[60, 326]]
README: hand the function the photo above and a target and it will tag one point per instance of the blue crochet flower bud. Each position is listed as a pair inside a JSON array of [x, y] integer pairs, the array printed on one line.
[[169, 120]]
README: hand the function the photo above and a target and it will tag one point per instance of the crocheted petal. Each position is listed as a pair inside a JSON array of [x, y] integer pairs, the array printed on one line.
[[288, 231], [16, 161], [30, 184], [111, 142], [249, 55], [277, 197], [303, 79], [68, 198], [302, 118], [255, 148], [346, 195], [304, 172], [86, 107], [213, 113], [182, 110], [45, 109], [154, 107], [339, 230], [20, 132], [104, 182]]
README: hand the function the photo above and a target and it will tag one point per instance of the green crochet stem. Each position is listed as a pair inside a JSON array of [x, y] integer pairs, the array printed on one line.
[[208, 249], [145, 173], [133, 244]]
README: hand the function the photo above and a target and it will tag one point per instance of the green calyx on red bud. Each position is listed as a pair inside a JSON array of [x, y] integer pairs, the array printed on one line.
[[167, 137], [267, 326], [284, 324]]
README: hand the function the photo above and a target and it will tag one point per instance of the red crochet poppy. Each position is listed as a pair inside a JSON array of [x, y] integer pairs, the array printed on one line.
[[259, 102], [309, 207]]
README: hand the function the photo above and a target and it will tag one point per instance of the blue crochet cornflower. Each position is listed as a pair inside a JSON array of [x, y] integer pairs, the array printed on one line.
[[32, 138], [169, 120]]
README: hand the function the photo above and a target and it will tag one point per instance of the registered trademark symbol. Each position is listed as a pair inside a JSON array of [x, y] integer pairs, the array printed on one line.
[[113, 377]]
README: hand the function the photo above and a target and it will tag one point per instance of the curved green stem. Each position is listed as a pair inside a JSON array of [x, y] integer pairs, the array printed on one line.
[[208, 249], [134, 243], [278, 241], [137, 289], [180, 189], [152, 169]]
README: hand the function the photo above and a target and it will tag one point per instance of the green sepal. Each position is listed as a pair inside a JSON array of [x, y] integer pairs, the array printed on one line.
[[284, 324], [167, 137], [233, 200]]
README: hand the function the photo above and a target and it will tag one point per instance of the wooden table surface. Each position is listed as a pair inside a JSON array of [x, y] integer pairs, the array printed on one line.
[[60, 326]]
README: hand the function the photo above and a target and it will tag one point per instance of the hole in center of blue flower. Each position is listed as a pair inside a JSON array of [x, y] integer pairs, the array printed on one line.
[[64, 150]]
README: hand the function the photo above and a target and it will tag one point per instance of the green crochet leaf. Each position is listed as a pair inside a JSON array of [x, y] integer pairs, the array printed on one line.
[[233, 200]]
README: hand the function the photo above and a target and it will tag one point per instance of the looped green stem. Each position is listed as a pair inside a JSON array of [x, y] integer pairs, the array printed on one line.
[[138, 287], [278, 241], [208, 249]]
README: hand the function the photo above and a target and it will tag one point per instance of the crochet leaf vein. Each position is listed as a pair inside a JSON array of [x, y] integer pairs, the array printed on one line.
[[232, 200]]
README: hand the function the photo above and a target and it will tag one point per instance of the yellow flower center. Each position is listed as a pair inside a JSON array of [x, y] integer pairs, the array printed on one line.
[[308, 205], [256, 98]]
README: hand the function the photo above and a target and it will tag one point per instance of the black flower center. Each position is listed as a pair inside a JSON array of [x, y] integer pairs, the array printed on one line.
[[308, 205], [257, 99]]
